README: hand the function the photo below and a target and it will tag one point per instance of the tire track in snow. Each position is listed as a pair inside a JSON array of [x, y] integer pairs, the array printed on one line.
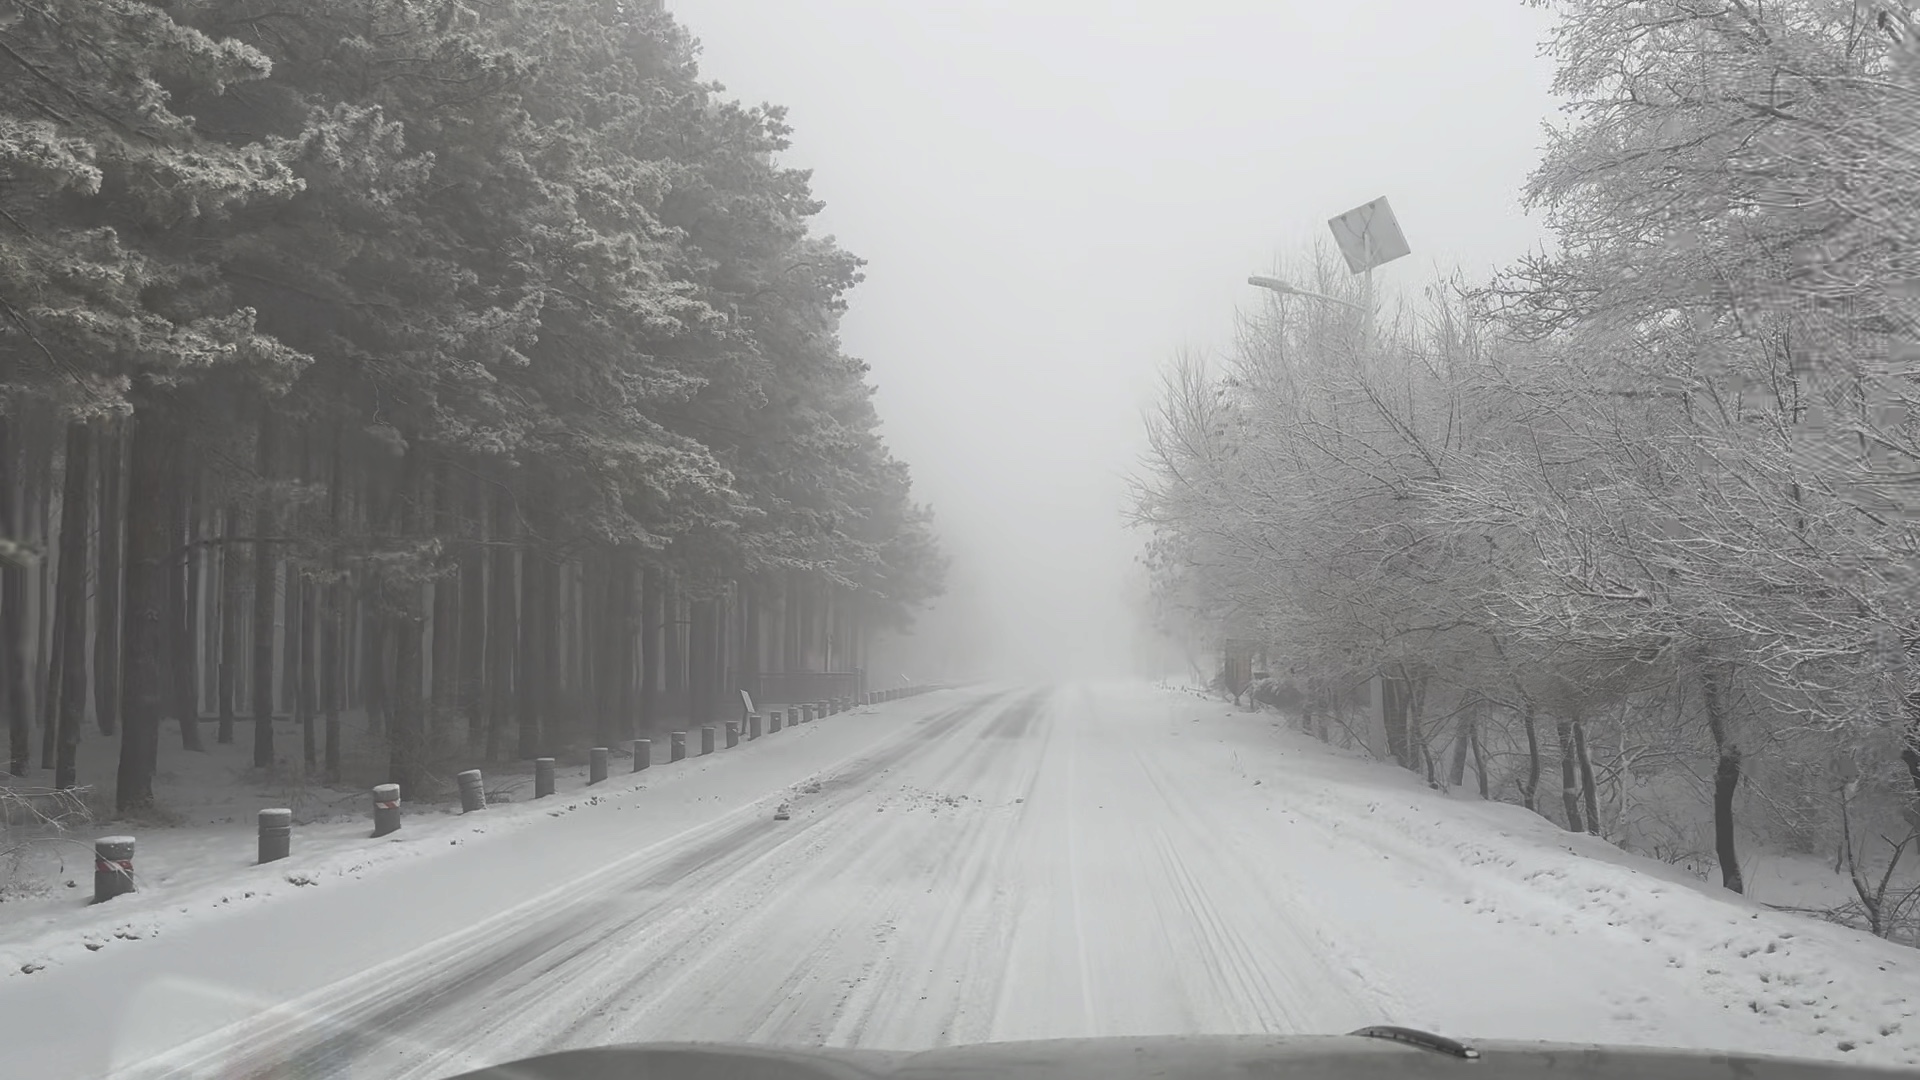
[[687, 982], [383, 1013], [1230, 963]]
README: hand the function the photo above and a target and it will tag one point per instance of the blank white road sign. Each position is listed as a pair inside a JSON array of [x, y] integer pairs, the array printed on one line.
[[1369, 235]]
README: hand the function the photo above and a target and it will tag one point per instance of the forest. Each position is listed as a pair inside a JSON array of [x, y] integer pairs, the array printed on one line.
[[1627, 532], [398, 384]]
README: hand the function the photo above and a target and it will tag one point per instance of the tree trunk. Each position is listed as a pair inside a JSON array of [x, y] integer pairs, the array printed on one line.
[[446, 613], [673, 649], [330, 679], [1586, 775], [409, 744], [182, 579], [534, 634], [1480, 762], [72, 618], [232, 596], [1726, 772], [1569, 775], [503, 621], [265, 523], [1394, 702], [300, 640], [602, 642], [46, 630], [106, 635], [1457, 771], [623, 629], [52, 646], [652, 616], [475, 622], [332, 630], [408, 760], [150, 477], [376, 659], [749, 639], [13, 614], [701, 633], [1531, 790]]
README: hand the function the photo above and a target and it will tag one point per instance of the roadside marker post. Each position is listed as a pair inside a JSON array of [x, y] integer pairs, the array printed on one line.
[[112, 867], [276, 834], [473, 791], [386, 809]]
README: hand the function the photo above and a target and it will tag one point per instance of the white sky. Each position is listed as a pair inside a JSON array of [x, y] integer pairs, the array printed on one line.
[[1054, 196]]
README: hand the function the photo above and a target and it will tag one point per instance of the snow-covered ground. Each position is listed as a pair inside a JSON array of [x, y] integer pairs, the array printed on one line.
[[966, 866]]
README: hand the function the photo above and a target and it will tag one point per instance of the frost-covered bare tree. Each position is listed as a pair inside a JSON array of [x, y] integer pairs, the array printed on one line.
[[1648, 497]]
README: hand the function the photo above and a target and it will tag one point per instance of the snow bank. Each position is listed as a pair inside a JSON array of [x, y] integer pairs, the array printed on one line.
[[1468, 892]]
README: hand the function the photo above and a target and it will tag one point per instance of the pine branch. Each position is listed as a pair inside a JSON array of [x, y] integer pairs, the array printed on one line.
[[29, 67]]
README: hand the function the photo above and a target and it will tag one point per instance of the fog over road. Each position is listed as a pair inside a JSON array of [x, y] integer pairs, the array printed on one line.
[[1012, 863]]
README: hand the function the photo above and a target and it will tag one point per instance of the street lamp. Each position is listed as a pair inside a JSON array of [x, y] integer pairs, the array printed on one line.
[[1368, 235], [1276, 285]]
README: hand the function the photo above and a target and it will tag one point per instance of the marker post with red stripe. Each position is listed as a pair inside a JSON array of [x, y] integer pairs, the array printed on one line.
[[386, 809], [112, 867]]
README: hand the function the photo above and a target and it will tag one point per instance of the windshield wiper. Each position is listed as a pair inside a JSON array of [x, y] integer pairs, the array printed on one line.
[[1425, 1040]]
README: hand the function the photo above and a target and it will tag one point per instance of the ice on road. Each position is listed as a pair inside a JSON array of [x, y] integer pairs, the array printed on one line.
[[1010, 864]]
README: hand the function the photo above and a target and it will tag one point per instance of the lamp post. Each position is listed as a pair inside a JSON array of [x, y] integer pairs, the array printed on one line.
[[1276, 285], [1367, 235]]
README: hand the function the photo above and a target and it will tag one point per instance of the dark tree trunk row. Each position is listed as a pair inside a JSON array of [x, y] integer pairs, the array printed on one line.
[[184, 581]]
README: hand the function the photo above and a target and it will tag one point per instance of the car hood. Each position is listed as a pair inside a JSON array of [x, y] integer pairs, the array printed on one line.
[[1186, 1057]]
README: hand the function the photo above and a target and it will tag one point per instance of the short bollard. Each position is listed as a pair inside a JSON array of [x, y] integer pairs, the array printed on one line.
[[733, 734], [679, 746], [642, 754], [112, 867], [809, 713], [753, 727], [706, 739], [386, 809], [793, 716], [773, 720], [542, 777], [276, 834], [473, 792], [596, 764]]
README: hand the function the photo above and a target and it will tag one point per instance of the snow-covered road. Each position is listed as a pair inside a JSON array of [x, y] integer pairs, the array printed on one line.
[[1005, 864]]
